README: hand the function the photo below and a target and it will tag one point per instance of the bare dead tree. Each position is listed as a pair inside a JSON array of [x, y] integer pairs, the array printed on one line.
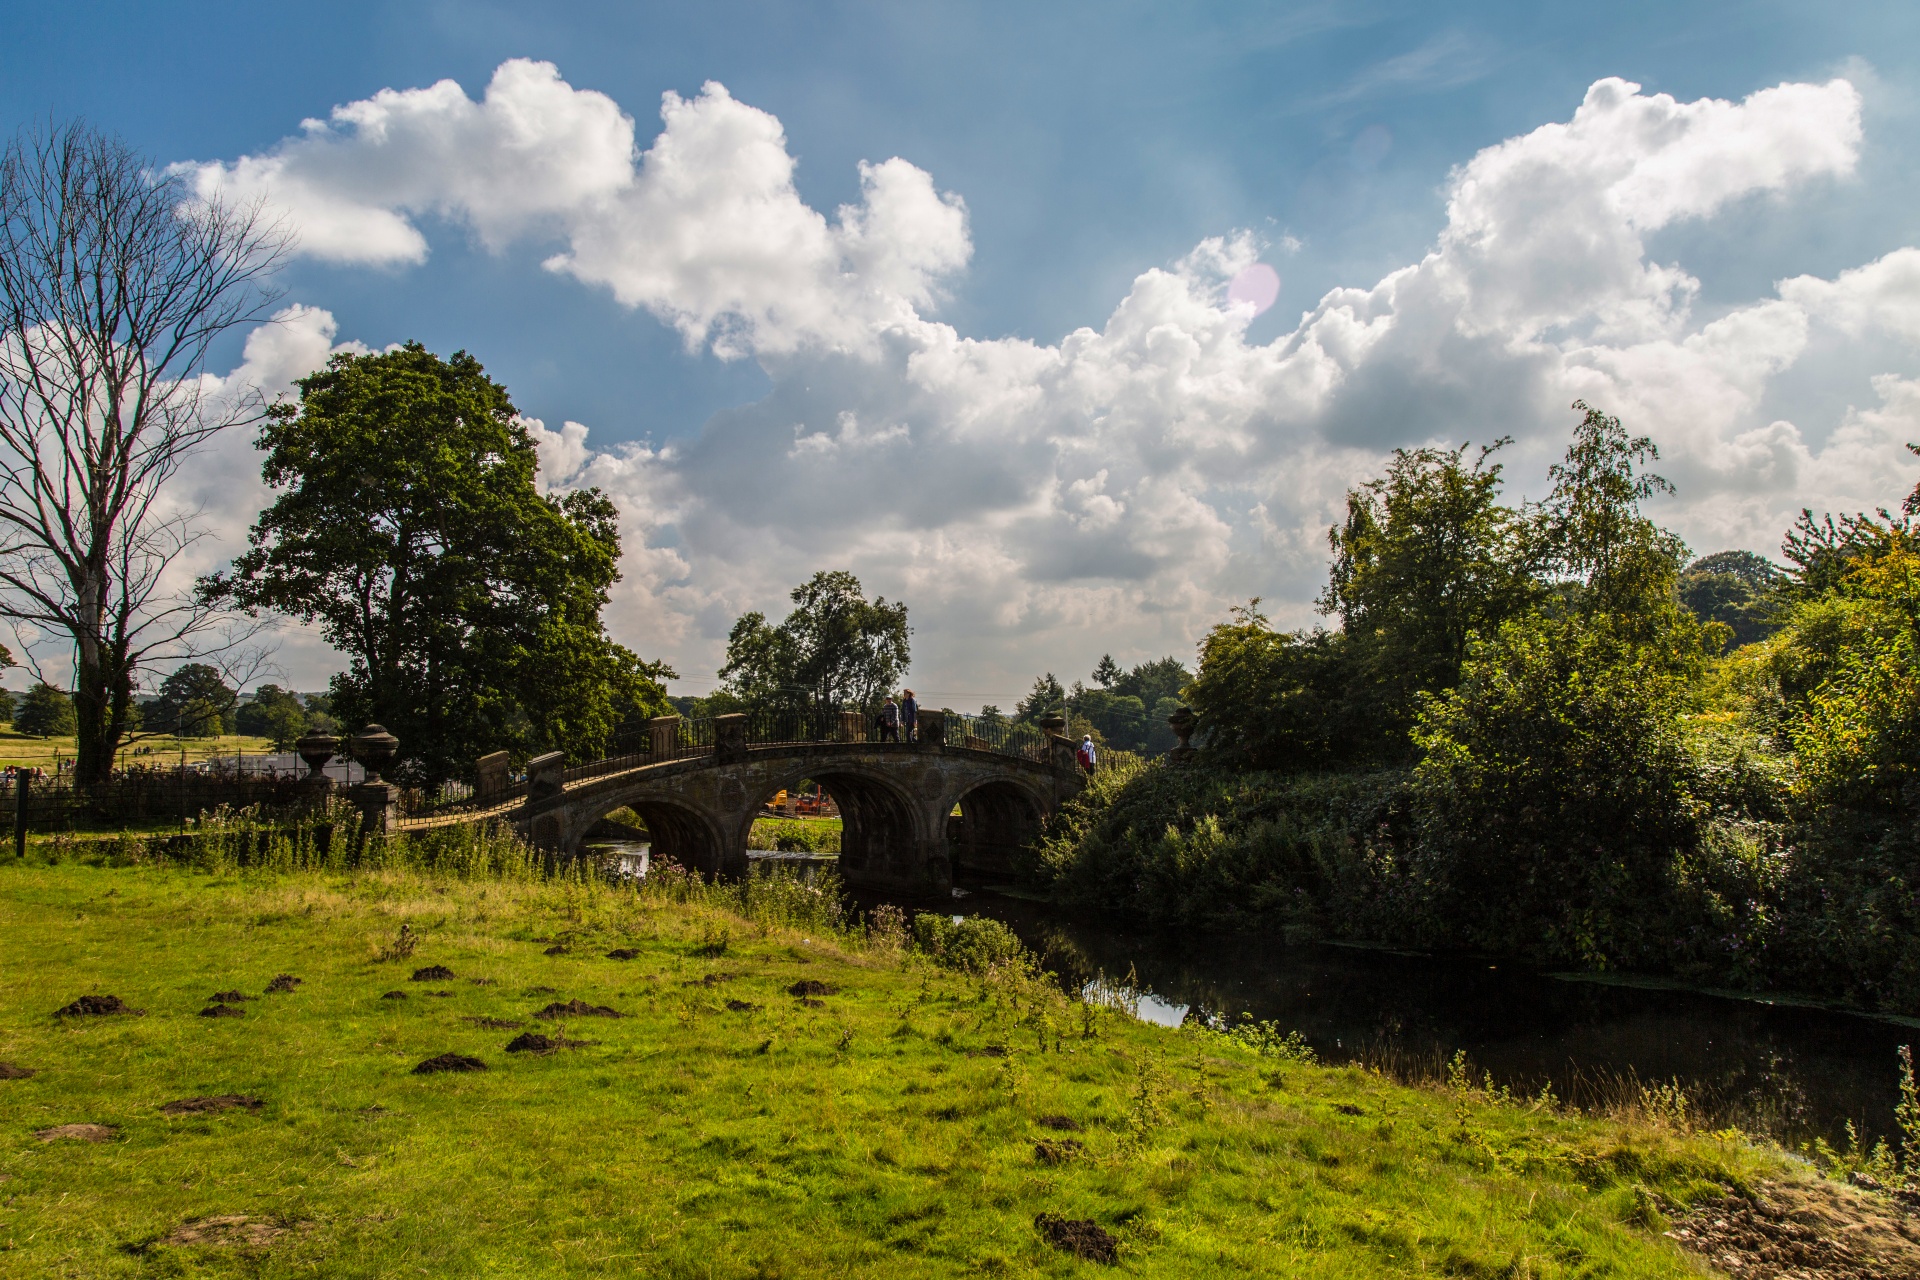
[[114, 284]]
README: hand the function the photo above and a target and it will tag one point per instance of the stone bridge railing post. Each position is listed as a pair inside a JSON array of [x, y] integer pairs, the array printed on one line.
[[664, 737], [853, 726], [490, 775], [546, 776], [931, 728], [729, 737]]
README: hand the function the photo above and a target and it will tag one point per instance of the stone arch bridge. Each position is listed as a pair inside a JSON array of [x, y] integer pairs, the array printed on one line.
[[897, 800]]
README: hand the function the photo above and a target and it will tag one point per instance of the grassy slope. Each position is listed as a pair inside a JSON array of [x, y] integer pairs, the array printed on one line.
[[868, 1137]]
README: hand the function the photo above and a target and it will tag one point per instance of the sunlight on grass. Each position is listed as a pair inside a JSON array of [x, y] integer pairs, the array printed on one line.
[[785, 1093]]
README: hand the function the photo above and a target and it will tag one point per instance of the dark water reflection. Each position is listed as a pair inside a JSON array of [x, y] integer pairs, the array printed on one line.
[[1792, 1072]]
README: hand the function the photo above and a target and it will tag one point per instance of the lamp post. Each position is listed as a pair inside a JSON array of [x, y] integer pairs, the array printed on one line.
[[376, 800]]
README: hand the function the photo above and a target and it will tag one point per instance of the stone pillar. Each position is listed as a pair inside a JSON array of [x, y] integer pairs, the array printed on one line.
[[376, 800], [664, 737], [490, 775], [853, 726], [316, 749], [932, 727], [546, 776], [1182, 721], [730, 736]]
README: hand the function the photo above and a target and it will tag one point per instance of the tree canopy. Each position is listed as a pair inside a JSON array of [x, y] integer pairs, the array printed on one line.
[[274, 714], [44, 711], [194, 702], [409, 525], [836, 649]]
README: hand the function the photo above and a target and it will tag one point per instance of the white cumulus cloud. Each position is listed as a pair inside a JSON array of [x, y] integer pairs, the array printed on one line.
[[1038, 504]]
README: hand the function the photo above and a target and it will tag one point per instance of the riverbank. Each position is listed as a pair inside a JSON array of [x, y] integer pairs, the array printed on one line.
[[777, 1097]]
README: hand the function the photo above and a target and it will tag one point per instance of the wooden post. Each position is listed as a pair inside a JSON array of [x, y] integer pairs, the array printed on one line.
[[20, 813]]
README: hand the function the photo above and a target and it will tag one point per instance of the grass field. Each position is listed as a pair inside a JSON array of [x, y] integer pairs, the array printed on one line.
[[722, 1127], [21, 749]]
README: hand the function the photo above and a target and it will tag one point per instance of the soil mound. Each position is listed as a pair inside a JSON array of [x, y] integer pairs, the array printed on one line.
[[10, 1072], [1348, 1109], [229, 997], [556, 949], [221, 1011], [449, 1062], [534, 1042], [541, 991], [432, 973], [577, 1008], [211, 1105], [93, 1006], [483, 982], [1057, 1151], [393, 995], [711, 980], [282, 982], [230, 1228], [1082, 1237], [623, 953], [493, 1024], [1815, 1229], [78, 1132], [1059, 1124], [810, 987], [440, 993], [742, 1006]]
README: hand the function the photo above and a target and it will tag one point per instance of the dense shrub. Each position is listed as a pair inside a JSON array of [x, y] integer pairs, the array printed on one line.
[[972, 944]]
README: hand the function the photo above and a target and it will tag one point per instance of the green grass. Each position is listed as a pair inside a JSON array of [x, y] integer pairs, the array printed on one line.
[[163, 752], [873, 1135]]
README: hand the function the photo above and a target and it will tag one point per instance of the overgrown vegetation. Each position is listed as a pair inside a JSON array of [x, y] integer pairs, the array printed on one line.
[[1530, 736], [782, 1091]]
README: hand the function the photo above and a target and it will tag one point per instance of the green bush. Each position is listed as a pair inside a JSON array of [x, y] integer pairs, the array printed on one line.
[[972, 944], [794, 835]]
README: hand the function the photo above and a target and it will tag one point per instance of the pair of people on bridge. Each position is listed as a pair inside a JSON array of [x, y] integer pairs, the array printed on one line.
[[897, 719]]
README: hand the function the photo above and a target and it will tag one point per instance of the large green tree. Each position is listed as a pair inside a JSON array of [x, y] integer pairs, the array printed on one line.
[[45, 711], [274, 714], [194, 702], [410, 527], [1427, 557], [836, 649]]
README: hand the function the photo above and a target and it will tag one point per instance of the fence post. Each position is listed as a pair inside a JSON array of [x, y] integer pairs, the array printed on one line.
[[20, 814]]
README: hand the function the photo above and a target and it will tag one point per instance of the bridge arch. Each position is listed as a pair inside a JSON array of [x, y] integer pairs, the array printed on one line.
[[881, 828], [998, 816], [895, 800]]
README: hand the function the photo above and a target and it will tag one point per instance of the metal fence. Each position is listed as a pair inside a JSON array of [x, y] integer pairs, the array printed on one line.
[[142, 797]]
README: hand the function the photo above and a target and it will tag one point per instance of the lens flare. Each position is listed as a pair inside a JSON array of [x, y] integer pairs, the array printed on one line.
[[1259, 284]]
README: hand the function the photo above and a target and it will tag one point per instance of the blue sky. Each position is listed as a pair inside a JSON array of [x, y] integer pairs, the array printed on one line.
[[1089, 144]]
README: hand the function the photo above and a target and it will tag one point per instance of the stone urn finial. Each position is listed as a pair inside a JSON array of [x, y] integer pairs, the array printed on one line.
[[375, 749], [1182, 722], [1054, 723], [316, 749]]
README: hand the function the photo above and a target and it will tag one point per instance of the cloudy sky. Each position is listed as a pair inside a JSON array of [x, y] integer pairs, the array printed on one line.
[[1068, 324]]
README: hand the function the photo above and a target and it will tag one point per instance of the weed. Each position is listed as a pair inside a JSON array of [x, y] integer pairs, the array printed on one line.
[[1907, 1116], [715, 938], [401, 947]]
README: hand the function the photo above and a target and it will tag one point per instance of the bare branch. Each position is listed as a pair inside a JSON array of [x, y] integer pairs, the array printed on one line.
[[114, 284]]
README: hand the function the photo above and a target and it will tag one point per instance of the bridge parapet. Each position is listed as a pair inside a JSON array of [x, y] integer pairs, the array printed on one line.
[[699, 785]]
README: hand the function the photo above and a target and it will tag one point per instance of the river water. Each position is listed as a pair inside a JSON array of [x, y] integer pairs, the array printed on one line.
[[1792, 1071]]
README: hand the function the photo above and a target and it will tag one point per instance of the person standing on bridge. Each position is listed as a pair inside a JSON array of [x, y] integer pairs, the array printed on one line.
[[909, 715], [890, 722], [1085, 755]]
